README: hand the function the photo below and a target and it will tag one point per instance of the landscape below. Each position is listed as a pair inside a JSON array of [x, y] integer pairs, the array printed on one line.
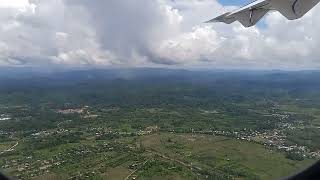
[[158, 124]]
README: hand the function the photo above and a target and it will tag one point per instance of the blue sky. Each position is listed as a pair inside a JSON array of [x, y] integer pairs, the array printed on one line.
[[235, 2]]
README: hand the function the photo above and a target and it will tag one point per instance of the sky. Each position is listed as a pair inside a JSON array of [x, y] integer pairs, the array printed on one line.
[[157, 33], [234, 2]]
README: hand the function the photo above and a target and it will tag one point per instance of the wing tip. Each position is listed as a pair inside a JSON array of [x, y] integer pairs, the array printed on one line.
[[218, 19], [211, 21]]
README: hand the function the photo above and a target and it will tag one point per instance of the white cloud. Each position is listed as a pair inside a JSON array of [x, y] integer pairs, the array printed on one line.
[[13, 3], [150, 33], [281, 44]]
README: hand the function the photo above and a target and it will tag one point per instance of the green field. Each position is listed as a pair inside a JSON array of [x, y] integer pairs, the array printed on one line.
[[155, 156], [216, 152], [161, 124]]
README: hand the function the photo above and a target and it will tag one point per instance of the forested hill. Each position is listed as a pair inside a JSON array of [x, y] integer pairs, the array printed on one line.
[[158, 86]]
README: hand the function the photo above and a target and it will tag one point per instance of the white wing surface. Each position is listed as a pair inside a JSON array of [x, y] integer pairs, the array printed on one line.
[[250, 14]]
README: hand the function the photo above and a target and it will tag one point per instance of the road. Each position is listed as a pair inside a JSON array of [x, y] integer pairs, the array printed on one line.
[[11, 148], [162, 156], [174, 160], [136, 170]]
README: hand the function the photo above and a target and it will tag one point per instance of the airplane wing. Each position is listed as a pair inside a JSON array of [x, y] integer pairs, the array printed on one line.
[[250, 14]]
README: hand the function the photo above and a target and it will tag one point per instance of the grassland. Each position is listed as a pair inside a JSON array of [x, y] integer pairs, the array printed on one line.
[[154, 156], [249, 159]]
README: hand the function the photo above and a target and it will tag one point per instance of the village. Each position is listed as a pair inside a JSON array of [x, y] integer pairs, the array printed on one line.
[[33, 166]]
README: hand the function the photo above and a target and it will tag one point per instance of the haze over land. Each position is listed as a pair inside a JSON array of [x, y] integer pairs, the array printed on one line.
[[151, 123]]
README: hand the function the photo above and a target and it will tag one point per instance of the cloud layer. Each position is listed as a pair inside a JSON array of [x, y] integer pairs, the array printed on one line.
[[150, 33]]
